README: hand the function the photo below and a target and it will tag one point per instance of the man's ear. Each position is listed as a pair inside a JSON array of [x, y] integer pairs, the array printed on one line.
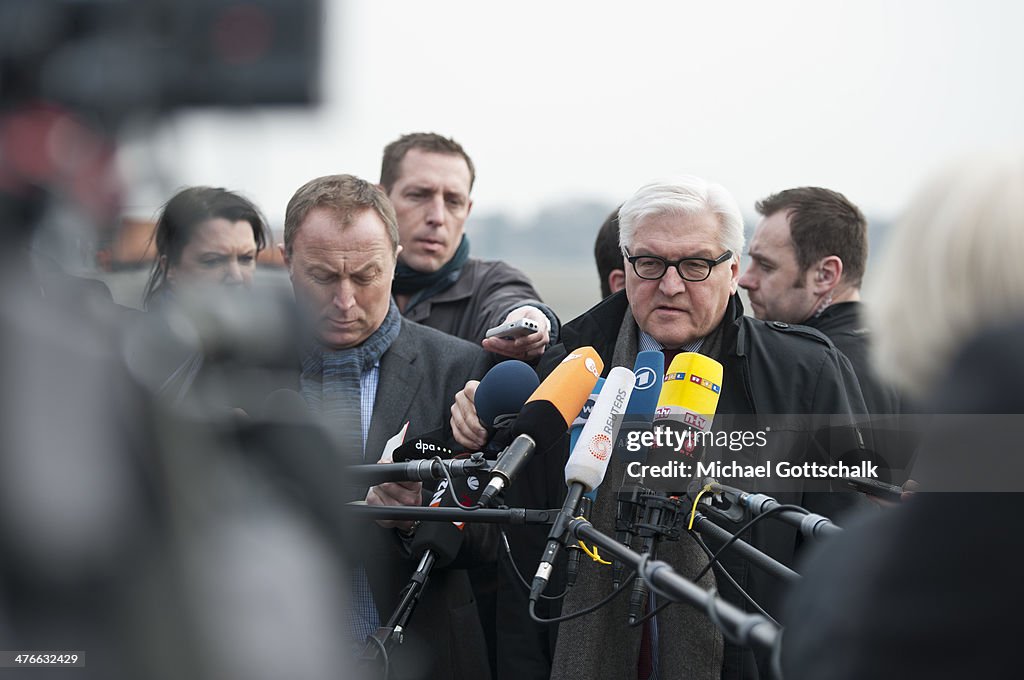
[[828, 274], [616, 280], [284, 256], [469, 207]]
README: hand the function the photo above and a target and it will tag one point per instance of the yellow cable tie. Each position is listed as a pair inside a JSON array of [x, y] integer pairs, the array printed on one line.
[[693, 513], [591, 552]]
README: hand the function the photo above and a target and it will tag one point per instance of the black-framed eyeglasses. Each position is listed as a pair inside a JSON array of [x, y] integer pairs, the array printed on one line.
[[652, 267]]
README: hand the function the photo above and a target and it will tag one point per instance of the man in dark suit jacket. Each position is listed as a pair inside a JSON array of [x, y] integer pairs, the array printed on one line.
[[367, 371]]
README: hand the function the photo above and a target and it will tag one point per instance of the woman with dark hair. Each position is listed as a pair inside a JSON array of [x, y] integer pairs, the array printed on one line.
[[206, 235]]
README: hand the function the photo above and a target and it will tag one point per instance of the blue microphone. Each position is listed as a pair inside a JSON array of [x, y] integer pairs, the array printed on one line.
[[499, 399], [650, 376]]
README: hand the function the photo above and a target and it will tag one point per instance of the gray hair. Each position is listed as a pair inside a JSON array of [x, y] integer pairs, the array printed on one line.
[[685, 195], [952, 268]]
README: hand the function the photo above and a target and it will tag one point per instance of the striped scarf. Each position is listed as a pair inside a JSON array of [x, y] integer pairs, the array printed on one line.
[[330, 383]]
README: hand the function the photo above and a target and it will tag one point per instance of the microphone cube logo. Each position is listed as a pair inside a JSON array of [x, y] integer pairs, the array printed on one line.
[[600, 446], [592, 367], [697, 421], [645, 377], [587, 408]]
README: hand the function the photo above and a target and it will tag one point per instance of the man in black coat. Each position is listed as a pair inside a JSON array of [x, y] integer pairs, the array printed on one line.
[[681, 240], [428, 179], [807, 260]]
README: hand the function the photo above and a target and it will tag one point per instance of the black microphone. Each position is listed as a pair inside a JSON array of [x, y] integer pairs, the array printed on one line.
[[444, 539], [810, 524], [416, 470], [434, 544], [546, 415]]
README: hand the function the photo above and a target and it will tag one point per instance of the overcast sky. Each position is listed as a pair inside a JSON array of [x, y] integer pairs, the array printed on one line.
[[569, 100]]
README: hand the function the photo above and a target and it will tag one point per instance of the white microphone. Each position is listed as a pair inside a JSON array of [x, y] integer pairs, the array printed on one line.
[[588, 462]]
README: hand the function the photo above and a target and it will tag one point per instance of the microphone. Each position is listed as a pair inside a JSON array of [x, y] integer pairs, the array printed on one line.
[[420, 448], [577, 425], [546, 415], [810, 524], [499, 398], [442, 538], [650, 374], [435, 544], [422, 470], [687, 404], [503, 391], [686, 407], [573, 565], [587, 463]]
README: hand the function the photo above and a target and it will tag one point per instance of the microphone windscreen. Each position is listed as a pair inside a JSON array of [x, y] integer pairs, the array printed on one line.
[[555, 403], [589, 459], [444, 538], [693, 384], [571, 382], [577, 425], [421, 448], [504, 389], [650, 374]]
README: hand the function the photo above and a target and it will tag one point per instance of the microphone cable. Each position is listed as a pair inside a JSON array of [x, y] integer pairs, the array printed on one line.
[[515, 567], [383, 655], [721, 570], [451, 485], [587, 610]]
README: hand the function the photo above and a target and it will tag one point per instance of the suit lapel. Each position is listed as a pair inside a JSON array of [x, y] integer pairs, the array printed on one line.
[[400, 379]]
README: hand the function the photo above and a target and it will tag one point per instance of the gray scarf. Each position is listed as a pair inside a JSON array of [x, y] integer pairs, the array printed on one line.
[[330, 383]]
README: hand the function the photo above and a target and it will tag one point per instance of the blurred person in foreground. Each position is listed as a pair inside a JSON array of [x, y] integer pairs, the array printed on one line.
[[428, 179], [124, 530], [682, 240], [808, 256], [931, 589], [367, 372]]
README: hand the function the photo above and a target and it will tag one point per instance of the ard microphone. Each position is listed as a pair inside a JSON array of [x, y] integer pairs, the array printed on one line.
[[546, 415], [686, 408], [588, 462], [650, 374]]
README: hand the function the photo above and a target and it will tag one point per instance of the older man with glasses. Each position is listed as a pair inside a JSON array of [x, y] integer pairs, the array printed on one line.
[[681, 239]]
